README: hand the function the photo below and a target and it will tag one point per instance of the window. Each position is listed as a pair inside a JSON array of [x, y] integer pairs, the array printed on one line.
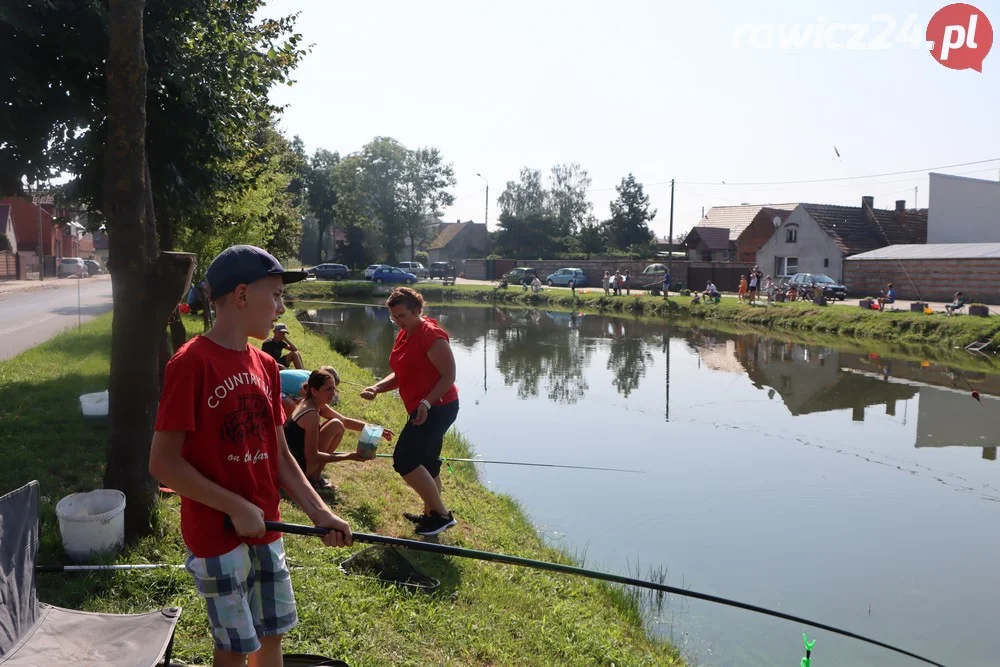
[[791, 234], [786, 266], [826, 263]]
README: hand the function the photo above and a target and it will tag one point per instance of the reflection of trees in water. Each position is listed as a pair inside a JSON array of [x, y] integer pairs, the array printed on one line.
[[627, 359], [530, 347]]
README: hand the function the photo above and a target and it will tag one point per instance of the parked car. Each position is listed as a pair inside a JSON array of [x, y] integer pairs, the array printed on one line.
[[370, 271], [520, 275], [93, 267], [442, 270], [416, 268], [390, 274], [70, 266], [329, 271], [562, 277], [831, 288]]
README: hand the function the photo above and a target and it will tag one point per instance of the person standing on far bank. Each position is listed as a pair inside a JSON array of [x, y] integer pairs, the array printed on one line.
[[423, 369]]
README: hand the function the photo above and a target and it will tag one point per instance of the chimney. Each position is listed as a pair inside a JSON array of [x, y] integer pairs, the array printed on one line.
[[869, 201], [900, 204]]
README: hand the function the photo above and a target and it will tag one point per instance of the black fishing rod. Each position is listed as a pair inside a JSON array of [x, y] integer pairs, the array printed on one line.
[[523, 463], [448, 550]]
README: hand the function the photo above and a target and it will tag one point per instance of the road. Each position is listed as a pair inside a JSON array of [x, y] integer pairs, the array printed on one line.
[[30, 317]]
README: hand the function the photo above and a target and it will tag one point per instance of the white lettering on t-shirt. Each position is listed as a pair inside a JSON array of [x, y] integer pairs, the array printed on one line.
[[217, 395], [261, 455]]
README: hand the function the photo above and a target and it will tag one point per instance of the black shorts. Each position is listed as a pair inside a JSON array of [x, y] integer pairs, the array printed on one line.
[[753, 288], [421, 445]]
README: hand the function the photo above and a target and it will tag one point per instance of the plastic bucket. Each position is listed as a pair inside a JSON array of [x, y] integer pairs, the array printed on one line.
[[95, 406], [92, 523]]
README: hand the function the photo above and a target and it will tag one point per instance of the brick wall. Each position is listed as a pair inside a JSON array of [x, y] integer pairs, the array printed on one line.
[[927, 279]]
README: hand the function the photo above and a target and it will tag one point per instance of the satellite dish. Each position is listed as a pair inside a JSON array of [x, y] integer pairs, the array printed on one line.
[[777, 222]]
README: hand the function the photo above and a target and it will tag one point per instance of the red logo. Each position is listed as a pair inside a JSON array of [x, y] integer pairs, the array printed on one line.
[[960, 36]]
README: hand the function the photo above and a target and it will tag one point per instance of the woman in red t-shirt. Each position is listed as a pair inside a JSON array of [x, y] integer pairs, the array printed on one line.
[[423, 369]]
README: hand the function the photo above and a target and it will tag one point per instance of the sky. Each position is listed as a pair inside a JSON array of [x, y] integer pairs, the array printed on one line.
[[702, 94]]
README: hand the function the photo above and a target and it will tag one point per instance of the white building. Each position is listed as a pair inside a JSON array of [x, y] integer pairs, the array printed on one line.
[[963, 210], [815, 238]]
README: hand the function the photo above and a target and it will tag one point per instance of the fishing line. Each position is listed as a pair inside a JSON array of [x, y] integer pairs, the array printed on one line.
[[524, 463], [460, 552]]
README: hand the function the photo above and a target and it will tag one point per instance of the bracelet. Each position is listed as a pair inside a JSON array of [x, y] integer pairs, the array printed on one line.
[[426, 403]]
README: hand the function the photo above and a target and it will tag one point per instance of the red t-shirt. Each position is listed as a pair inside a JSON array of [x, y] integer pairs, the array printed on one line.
[[229, 403], [414, 371]]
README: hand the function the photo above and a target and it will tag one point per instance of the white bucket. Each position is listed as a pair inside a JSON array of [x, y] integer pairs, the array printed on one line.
[[95, 405], [92, 523]]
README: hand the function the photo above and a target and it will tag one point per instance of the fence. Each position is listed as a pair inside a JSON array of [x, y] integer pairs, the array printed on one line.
[[8, 265]]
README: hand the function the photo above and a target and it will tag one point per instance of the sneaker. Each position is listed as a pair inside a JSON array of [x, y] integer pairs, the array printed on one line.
[[436, 524], [320, 483], [415, 518]]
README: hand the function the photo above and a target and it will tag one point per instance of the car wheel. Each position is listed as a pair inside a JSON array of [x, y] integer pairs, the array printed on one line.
[[408, 282], [338, 276], [378, 281], [549, 283]]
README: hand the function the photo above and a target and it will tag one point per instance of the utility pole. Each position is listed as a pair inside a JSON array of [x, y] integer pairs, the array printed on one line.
[[670, 239], [915, 197], [41, 250], [486, 215]]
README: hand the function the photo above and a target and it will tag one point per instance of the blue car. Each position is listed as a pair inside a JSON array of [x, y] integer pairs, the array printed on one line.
[[390, 274], [562, 277]]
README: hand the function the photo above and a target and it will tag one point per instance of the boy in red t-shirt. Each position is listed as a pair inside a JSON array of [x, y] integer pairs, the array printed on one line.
[[218, 443]]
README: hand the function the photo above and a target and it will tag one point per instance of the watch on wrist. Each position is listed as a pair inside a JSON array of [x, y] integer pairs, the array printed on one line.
[[426, 403]]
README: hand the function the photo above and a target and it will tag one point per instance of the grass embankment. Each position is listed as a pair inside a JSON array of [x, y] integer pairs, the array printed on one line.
[[901, 327], [482, 614]]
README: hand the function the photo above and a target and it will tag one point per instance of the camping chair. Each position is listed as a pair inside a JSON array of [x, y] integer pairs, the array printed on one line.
[[33, 633]]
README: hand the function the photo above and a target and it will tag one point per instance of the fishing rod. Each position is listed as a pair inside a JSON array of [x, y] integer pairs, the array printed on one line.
[[522, 463], [106, 568], [448, 550]]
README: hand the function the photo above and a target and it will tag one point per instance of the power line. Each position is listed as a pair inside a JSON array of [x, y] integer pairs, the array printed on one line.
[[842, 178], [818, 180]]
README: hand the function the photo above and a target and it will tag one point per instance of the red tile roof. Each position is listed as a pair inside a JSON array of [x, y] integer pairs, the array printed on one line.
[[859, 230], [714, 238], [737, 218]]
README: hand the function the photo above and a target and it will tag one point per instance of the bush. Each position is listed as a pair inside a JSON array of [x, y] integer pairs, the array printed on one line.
[[422, 257], [685, 292]]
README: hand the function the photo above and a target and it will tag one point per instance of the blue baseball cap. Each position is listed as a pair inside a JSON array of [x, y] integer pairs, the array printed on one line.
[[242, 265]]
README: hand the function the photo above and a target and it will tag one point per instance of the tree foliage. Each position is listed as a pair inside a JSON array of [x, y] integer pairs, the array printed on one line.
[[211, 65], [630, 215]]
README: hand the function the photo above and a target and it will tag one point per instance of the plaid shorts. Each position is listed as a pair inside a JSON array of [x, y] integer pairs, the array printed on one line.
[[248, 592]]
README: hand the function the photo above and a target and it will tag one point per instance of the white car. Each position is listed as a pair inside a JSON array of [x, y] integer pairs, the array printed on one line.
[[371, 270], [71, 266], [416, 268]]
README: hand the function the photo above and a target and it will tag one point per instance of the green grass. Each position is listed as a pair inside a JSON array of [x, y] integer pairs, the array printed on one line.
[[897, 327], [482, 614]]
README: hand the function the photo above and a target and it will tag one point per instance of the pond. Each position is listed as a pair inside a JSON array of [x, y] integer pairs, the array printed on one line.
[[857, 490]]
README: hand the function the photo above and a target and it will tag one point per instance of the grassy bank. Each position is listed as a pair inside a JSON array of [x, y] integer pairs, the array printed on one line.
[[482, 614], [899, 327]]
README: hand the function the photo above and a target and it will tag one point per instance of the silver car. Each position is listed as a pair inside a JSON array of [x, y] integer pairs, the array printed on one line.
[[71, 266], [416, 268]]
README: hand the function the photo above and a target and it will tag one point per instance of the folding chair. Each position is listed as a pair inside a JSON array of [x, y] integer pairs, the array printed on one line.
[[33, 634]]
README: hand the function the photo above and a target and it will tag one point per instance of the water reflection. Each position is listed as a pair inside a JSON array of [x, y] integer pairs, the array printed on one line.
[[834, 483], [550, 354]]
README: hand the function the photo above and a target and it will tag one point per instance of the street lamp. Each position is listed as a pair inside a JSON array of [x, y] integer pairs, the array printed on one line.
[[486, 219]]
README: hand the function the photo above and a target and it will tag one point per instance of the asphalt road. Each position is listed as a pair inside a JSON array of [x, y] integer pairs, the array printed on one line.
[[30, 317]]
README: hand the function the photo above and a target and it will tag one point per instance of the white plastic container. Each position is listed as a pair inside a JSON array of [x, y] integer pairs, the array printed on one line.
[[368, 441], [95, 406], [92, 523]]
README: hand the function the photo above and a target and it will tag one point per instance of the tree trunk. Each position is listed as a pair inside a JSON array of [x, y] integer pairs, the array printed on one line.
[[146, 286]]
